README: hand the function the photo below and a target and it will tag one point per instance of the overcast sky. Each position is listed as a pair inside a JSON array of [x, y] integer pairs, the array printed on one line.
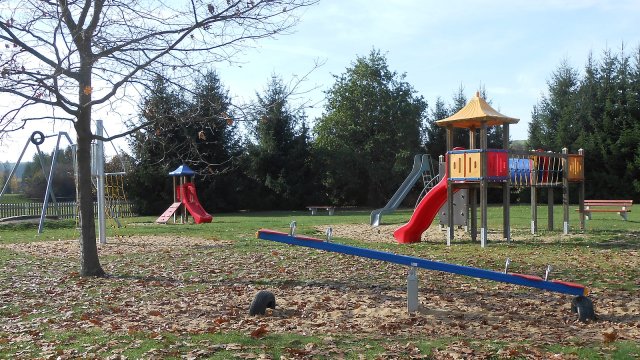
[[510, 47]]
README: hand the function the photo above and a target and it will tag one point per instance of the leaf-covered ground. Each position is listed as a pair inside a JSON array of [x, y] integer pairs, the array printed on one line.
[[188, 298]]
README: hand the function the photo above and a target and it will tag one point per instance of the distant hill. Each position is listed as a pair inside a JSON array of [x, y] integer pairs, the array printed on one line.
[[519, 145]]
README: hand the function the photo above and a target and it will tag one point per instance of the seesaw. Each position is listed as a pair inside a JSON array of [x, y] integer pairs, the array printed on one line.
[[580, 304]]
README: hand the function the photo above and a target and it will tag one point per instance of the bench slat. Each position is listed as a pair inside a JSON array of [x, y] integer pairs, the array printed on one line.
[[622, 207], [607, 202]]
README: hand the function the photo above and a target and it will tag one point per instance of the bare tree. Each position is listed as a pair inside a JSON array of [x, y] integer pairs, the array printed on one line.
[[66, 59]]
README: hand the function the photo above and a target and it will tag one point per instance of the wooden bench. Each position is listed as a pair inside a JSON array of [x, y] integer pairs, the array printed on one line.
[[314, 208], [621, 207]]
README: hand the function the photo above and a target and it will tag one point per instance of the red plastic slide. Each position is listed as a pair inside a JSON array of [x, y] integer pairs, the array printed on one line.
[[423, 215], [190, 201]]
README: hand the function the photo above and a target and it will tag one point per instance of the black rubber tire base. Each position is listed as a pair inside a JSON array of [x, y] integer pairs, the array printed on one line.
[[264, 299], [584, 307]]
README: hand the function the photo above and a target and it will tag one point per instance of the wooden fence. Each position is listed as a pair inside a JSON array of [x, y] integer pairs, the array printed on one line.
[[65, 210]]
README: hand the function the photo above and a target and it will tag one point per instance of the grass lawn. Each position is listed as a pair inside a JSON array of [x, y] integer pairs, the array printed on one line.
[[13, 199], [183, 291]]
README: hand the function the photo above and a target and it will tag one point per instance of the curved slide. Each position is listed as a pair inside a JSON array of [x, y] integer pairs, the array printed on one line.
[[190, 201], [421, 163], [423, 215]]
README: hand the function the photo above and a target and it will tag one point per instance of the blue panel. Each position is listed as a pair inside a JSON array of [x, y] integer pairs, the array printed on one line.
[[421, 263], [520, 170]]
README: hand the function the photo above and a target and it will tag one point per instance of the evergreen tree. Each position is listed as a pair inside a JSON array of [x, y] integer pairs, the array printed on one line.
[[209, 111], [369, 132], [554, 122], [157, 149], [280, 159], [217, 149], [460, 136], [598, 112], [634, 111], [436, 136]]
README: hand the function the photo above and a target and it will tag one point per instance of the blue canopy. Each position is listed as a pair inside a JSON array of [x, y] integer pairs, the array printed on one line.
[[182, 170]]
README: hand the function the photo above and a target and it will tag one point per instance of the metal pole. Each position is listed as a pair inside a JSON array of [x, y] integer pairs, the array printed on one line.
[[99, 161], [44, 168], [13, 170], [48, 192], [412, 290]]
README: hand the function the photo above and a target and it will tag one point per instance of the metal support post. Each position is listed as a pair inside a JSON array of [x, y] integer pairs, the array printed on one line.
[[412, 289], [99, 163]]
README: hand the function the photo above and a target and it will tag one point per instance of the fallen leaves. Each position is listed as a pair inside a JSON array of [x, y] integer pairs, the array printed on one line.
[[176, 287], [259, 332], [609, 335]]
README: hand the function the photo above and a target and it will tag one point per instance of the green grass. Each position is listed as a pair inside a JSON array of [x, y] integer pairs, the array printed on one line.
[[14, 199], [623, 350], [32, 287]]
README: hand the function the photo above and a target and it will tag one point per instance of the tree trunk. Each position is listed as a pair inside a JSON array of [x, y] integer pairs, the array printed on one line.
[[89, 261]]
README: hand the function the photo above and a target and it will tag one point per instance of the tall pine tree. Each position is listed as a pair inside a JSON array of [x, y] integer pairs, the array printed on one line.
[[155, 149], [279, 159], [598, 112]]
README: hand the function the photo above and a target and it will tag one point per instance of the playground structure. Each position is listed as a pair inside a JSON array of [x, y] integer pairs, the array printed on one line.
[[476, 169], [422, 169], [185, 197], [114, 194], [473, 169], [109, 186], [37, 138], [460, 203], [580, 304]]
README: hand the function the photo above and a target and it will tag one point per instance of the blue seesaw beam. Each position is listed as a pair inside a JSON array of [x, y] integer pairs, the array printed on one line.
[[510, 278]]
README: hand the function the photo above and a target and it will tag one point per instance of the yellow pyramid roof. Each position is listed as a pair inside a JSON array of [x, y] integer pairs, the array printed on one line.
[[476, 112]]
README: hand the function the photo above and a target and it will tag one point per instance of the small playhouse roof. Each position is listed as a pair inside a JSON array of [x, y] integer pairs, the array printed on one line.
[[474, 114], [182, 170]]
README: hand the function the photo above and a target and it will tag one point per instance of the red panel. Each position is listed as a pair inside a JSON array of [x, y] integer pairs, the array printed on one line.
[[497, 163]]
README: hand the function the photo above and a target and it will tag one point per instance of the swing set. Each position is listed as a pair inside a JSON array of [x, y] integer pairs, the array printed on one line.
[[110, 189]]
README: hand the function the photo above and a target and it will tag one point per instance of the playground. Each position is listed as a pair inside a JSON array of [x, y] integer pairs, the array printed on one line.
[[186, 285], [185, 289]]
